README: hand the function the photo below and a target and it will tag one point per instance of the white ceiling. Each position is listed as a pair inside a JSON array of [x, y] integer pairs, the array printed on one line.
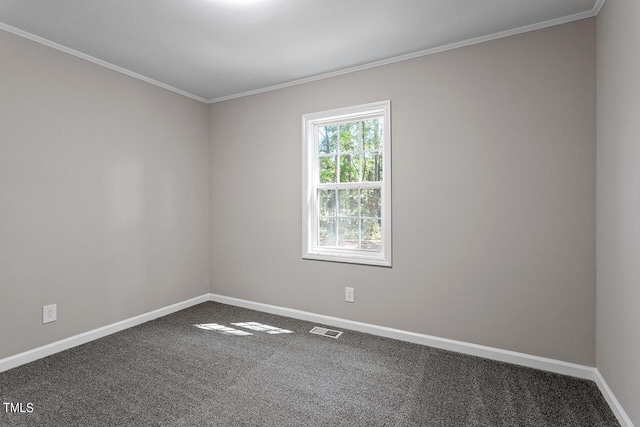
[[219, 49]]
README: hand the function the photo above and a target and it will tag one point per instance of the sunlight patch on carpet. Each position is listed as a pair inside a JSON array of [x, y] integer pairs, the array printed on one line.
[[222, 329], [255, 326]]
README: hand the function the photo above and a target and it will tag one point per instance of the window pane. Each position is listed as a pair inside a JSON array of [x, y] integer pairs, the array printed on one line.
[[372, 167], [327, 169], [327, 202], [327, 139], [327, 232], [350, 136], [372, 133], [349, 168], [348, 202], [348, 233], [371, 203], [371, 234]]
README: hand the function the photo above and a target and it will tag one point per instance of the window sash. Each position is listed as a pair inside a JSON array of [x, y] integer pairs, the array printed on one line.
[[360, 217]]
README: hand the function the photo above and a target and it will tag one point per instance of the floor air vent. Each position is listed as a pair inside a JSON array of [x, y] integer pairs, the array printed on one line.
[[325, 332]]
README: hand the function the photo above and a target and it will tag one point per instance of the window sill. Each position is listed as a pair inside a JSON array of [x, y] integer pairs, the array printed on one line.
[[348, 258]]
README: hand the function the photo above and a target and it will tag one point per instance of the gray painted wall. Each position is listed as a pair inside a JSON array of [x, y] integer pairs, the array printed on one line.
[[618, 206], [104, 195], [493, 205]]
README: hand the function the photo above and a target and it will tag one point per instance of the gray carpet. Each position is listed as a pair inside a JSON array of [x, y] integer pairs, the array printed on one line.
[[170, 373]]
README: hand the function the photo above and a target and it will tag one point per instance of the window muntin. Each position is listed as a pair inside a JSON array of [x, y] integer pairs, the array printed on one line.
[[346, 200]]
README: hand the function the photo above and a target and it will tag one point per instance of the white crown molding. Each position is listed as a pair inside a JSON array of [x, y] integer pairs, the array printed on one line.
[[515, 358], [558, 21], [598, 6], [451, 46], [97, 61], [76, 340], [614, 404]]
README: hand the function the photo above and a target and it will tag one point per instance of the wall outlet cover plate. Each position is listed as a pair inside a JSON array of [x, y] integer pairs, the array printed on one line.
[[49, 313]]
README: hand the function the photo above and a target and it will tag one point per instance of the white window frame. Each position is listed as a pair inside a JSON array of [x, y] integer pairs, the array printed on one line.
[[310, 182]]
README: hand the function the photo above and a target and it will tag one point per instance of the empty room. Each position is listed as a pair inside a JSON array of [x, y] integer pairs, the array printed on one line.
[[319, 213]]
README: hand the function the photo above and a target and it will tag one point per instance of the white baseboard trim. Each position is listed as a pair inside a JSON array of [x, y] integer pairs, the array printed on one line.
[[522, 359], [614, 404], [76, 340], [507, 356]]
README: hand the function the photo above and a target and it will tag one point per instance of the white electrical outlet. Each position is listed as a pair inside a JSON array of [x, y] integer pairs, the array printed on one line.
[[49, 313], [349, 294]]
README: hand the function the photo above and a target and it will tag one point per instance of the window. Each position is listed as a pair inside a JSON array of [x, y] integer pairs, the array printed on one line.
[[346, 201]]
